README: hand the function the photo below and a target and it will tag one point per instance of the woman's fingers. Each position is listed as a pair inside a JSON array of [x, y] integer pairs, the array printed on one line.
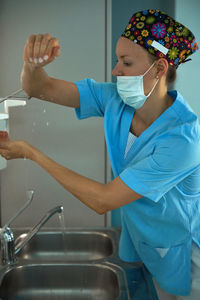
[[36, 48], [41, 49], [5, 154], [53, 44], [4, 135], [29, 47], [16, 149], [4, 139], [56, 51]]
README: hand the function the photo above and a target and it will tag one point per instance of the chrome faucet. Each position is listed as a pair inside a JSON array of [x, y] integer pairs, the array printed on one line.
[[9, 247]]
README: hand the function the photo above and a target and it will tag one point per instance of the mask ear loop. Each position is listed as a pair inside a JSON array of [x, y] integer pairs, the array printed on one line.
[[153, 87], [156, 80], [149, 68]]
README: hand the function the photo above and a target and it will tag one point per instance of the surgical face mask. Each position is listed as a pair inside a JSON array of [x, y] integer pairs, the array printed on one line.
[[131, 90]]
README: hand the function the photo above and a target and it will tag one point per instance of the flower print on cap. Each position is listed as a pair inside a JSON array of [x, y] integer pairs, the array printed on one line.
[[158, 30], [161, 36]]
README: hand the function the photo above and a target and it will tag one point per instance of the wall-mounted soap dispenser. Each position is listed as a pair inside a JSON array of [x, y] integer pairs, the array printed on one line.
[[17, 98]]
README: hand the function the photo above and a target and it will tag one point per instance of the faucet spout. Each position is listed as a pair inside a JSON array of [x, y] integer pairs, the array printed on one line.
[[20, 245], [9, 247]]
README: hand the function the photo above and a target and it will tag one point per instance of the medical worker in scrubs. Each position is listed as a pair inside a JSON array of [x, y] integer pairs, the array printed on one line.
[[153, 141]]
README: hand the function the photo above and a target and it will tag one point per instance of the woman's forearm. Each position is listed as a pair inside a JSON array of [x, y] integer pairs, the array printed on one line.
[[88, 191], [99, 197], [33, 80], [36, 83]]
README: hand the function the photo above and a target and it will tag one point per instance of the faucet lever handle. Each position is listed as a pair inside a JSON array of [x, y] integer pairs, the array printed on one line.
[[29, 195]]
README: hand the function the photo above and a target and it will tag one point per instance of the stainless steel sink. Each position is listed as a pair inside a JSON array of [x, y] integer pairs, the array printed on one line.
[[70, 246], [81, 265], [64, 281]]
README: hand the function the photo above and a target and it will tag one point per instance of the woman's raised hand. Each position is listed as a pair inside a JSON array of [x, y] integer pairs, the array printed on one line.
[[41, 49]]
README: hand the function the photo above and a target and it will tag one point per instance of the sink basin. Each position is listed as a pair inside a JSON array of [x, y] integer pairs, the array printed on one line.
[[63, 281], [70, 246]]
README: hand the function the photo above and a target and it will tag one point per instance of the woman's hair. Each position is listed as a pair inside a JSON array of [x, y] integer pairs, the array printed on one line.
[[171, 72]]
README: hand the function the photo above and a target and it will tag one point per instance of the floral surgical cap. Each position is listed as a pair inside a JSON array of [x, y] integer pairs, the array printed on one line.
[[162, 36]]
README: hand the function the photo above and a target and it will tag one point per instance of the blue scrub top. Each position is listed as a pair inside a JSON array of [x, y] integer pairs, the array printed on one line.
[[163, 165]]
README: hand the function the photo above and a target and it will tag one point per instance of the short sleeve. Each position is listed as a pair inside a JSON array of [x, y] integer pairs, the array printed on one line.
[[171, 161], [93, 98]]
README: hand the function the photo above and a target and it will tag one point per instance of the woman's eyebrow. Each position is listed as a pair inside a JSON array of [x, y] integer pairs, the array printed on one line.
[[122, 56]]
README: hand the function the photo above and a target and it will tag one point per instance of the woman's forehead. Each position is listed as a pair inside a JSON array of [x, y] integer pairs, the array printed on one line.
[[126, 47]]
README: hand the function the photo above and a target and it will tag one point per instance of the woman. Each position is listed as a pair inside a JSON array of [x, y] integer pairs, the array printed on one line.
[[153, 141]]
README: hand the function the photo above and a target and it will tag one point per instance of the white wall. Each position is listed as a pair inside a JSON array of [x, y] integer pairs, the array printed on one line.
[[188, 81], [79, 145]]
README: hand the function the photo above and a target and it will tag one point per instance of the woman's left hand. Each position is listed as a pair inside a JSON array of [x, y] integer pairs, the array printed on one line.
[[16, 149]]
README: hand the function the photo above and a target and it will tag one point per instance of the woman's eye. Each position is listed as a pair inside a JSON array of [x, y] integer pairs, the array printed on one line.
[[127, 63]]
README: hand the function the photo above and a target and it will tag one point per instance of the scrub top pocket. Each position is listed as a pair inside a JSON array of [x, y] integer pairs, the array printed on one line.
[[172, 263]]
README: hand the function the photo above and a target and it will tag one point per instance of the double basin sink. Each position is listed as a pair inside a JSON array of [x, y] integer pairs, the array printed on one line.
[[77, 265]]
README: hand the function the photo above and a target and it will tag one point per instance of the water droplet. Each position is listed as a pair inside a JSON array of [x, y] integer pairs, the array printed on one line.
[[44, 111], [25, 158], [47, 123], [34, 123]]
